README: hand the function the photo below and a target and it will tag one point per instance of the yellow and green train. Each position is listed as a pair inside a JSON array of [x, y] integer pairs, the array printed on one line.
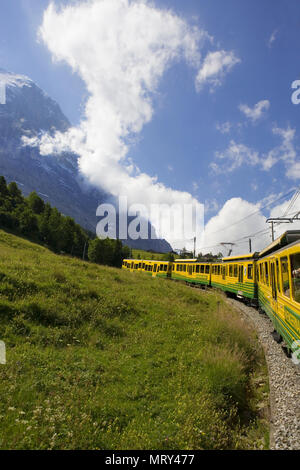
[[269, 280]]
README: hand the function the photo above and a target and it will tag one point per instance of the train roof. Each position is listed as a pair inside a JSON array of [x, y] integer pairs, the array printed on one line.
[[182, 260], [285, 239], [250, 256]]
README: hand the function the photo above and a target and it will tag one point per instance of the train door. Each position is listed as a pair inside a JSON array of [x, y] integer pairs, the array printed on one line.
[[241, 273], [223, 273], [273, 282]]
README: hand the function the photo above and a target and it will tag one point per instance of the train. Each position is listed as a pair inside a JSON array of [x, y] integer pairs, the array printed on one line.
[[268, 280]]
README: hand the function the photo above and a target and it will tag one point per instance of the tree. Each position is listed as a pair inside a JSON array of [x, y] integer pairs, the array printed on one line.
[[28, 223], [169, 257], [3, 187], [36, 204], [15, 195]]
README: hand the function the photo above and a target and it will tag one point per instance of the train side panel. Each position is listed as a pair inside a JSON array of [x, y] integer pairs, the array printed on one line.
[[279, 291]]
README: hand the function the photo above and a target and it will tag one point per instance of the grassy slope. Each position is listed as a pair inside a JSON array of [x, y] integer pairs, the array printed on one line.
[[146, 255], [102, 358]]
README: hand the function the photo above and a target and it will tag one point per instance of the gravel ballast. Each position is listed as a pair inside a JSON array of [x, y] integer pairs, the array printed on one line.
[[284, 379]]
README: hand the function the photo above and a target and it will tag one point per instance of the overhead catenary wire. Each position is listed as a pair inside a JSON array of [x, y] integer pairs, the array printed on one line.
[[261, 232], [253, 213]]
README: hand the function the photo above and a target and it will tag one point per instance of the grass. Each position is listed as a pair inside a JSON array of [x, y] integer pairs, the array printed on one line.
[[99, 358], [146, 255]]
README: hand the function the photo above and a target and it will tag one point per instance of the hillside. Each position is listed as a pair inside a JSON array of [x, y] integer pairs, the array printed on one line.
[[99, 358], [29, 113]]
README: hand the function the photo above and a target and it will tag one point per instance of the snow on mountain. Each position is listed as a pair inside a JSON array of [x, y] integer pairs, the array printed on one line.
[[10, 79], [29, 113]]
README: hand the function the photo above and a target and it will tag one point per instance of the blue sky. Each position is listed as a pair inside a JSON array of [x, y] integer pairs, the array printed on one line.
[[201, 142]]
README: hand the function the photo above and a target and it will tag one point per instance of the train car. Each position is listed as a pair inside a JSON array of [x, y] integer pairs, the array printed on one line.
[[182, 269], [151, 267], [239, 276], [278, 281], [201, 273], [217, 278], [164, 269], [132, 264], [236, 274]]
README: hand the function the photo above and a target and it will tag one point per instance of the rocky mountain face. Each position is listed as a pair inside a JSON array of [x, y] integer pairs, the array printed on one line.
[[28, 111]]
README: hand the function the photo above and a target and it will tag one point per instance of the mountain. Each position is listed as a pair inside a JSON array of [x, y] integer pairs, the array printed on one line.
[[28, 111]]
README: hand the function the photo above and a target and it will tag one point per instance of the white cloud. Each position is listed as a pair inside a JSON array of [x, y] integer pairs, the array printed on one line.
[[285, 152], [273, 37], [238, 154], [214, 68], [195, 186], [234, 156], [224, 128], [223, 227], [121, 49], [257, 111], [293, 171], [238, 220]]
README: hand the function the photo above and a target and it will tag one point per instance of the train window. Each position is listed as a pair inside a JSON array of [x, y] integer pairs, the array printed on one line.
[[230, 271], [166, 267], [267, 272], [295, 267], [197, 268], [285, 276], [257, 273], [202, 269], [250, 271], [184, 267], [235, 271], [207, 269], [260, 271]]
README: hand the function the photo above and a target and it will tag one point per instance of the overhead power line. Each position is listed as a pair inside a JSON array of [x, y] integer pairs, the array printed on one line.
[[253, 213]]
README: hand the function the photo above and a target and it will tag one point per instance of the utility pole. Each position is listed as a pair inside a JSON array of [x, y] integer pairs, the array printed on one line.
[[194, 247], [250, 246], [272, 228]]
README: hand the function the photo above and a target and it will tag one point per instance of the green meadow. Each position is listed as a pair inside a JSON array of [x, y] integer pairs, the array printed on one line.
[[100, 358], [147, 255]]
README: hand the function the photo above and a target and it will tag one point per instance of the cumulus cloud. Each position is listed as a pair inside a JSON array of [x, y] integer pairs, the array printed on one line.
[[238, 220], [214, 68], [121, 49], [257, 111]]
